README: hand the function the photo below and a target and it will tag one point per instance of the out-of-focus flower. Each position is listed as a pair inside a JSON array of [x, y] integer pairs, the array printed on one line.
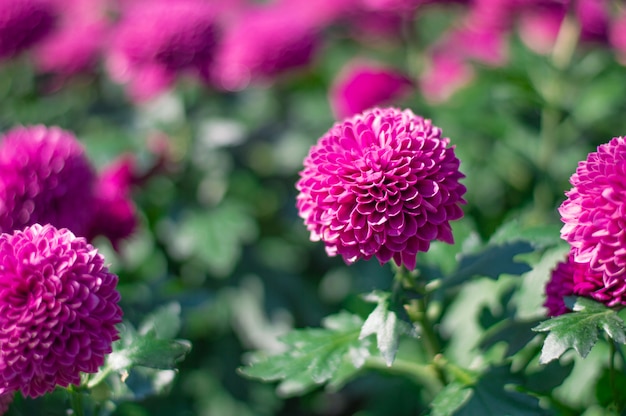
[[115, 214], [593, 216], [45, 177], [362, 85], [382, 183], [5, 401], [263, 43], [157, 41], [445, 74], [24, 23], [58, 309], [617, 37], [71, 50], [560, 285]]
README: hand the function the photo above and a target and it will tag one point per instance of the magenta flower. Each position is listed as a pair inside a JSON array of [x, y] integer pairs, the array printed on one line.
[[263, 43], [23, 23], [560, 285], [45, 177], [362, 85], [593, 216], [617, 37], [382, 183], [72, 50], [160, 40], [445, 74], [58, 309], [115, 215]]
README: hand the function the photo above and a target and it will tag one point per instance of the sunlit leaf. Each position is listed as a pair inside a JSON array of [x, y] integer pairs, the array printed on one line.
[[579, 329]]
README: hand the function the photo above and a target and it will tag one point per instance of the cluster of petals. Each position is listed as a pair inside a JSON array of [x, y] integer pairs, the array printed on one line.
[[362, 85], [570, 278], [383, 183], [156, 41], [593, 215], [46, 178], [24, 23], [58, 309]]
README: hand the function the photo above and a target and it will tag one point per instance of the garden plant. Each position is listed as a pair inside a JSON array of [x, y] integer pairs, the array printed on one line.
[[312, 207]]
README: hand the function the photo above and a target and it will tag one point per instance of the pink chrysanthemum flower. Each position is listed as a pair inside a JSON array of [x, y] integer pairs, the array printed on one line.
[[24, 23], [560, 285], [45, 177], [594, 214], [263, 43], [159, 40], [58, 309], [362, 85], [382, 183], [115, 215]]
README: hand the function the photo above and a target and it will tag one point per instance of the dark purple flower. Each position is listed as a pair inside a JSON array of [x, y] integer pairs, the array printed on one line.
[[115, 215], [594, 216], [362, 85], [560, 285], [157, 41], [24, 23], [58, 309], [45, 177], [382, 183]]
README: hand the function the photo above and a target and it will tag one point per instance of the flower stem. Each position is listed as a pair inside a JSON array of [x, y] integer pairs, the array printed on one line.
[[76, 401], [418, 312], [424, 375]]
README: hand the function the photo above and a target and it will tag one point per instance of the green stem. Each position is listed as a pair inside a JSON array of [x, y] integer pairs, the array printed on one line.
[[419, 315], [424, 375], [76, 401]]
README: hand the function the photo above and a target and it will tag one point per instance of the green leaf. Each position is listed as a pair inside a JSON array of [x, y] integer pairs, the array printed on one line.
[[492, 394], [385, 323], [314, 356], [164, 322], [539, 236], [491, 262], [147, 350], [579, 329], [516, 334]]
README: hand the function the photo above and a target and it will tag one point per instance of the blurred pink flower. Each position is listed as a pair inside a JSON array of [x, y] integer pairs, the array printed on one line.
[[5, 401], [72, 50], [593, 216], [445, 74], [23, 23], [382, 183], [361, 85], [157, 41], [45, 177], [58, 310], [263, 43], [115, 215], [617, 37], [539, 26]]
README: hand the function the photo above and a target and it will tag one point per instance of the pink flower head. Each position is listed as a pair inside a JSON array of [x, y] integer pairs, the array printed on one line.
[[58, 309], [617, 37], [115, 215], [262, 44], [382, 183], [445, 74], [72, 50], [594, 214], [45, 177], [539, 26], [23, 23], [156, 42], [363, 85], [560, 285]]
